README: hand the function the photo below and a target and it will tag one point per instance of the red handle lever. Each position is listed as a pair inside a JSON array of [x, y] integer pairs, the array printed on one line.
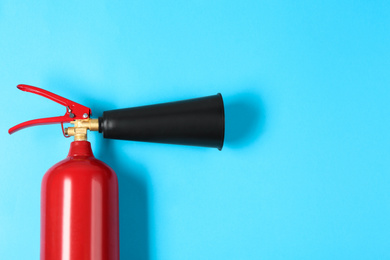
[[73, 110]]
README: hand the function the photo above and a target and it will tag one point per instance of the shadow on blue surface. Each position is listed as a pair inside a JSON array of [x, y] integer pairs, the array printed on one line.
[[133, 193], [133, 203], [245, 119]]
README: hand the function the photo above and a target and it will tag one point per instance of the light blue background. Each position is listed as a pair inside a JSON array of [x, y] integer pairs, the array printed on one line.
[[305, 171]]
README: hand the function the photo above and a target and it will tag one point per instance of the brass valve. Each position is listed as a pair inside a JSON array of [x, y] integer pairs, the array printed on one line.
[[79, 131]]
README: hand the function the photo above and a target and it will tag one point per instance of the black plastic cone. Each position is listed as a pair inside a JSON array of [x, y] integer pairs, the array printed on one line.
[[199, 122]]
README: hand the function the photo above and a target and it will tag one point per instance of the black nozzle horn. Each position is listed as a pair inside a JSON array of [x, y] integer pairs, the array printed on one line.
[[198, 122]]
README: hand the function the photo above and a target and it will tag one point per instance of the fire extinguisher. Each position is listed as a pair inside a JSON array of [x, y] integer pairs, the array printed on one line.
[[79, 195]]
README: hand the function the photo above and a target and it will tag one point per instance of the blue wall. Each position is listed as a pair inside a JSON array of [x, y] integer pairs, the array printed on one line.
[[305, 171]]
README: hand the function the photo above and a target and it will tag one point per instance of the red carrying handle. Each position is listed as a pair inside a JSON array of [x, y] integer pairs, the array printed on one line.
[[73, 110]]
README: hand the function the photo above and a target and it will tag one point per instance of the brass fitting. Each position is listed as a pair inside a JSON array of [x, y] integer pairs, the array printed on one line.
[[79, 131]]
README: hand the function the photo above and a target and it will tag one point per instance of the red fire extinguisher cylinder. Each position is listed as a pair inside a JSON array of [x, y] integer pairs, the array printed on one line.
[[79, 196], [79, 208]]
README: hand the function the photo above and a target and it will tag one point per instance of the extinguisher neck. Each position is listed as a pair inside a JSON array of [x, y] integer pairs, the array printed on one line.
[[80, 148]]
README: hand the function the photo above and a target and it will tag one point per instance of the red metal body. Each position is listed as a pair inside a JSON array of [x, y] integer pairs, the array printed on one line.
[[79, 208]]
